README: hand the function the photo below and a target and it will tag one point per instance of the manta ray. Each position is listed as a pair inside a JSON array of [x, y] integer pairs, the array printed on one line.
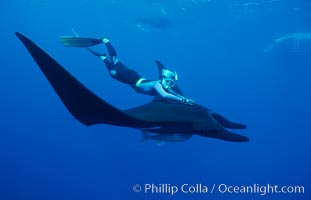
[[159, 117], [148, 23], [294, 41]]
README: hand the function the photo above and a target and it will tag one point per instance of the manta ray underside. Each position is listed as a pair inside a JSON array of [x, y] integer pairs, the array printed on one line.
[[158, 116]]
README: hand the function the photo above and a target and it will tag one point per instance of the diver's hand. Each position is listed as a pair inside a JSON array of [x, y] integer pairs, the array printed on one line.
[[188, 101]]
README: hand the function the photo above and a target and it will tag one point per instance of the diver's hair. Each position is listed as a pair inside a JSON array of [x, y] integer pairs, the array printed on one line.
[[169, 74]]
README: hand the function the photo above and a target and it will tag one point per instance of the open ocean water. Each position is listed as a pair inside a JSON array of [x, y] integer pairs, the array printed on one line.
[[248, 60]]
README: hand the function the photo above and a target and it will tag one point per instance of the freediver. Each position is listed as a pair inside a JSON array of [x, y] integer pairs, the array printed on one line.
[[120, 72]]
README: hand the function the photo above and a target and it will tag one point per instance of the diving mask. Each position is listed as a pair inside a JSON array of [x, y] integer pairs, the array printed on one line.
[[168, 78]]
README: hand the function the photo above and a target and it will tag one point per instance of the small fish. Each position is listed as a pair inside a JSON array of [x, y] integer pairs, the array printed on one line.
[[161, 139]]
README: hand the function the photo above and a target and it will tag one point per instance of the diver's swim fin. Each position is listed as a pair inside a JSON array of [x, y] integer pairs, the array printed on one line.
[[72, 41]]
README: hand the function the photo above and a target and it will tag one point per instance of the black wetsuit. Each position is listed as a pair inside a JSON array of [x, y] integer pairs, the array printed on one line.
[[123, 73], [120, 72]]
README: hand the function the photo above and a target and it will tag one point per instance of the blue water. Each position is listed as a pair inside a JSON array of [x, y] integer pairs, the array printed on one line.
[[218, 49]]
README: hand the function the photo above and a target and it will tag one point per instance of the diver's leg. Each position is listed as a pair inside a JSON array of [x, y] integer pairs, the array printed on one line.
[[120, 72], [125, 75], [111, 50], [109, 65]]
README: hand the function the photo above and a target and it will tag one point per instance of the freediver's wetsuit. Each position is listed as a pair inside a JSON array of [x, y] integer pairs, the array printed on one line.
[[120, 72]]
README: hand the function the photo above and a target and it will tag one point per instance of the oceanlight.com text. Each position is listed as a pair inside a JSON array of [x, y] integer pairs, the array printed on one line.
[[260, 189], [171, 189]]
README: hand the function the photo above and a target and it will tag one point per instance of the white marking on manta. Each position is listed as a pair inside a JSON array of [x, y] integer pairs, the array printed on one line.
[[140, 26]]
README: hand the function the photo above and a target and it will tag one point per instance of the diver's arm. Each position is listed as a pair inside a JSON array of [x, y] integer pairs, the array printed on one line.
[[158, 87], [184, 99], [175, 93]]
